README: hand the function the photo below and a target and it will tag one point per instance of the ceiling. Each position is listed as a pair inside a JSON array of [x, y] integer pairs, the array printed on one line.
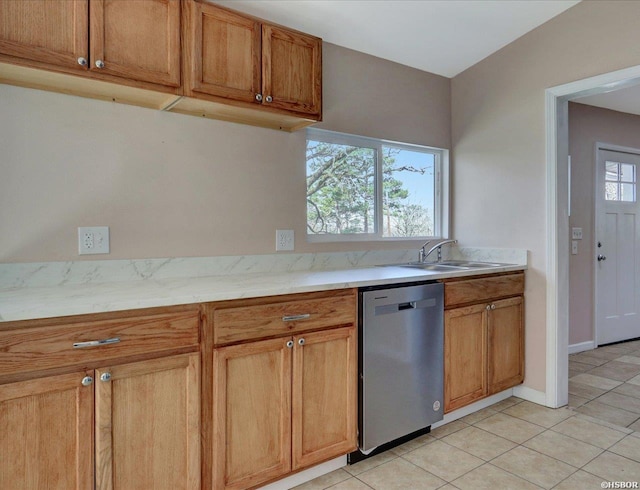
[[621, 100], [439, 36]]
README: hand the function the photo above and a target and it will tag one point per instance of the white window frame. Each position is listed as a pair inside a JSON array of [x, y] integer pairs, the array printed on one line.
[[441, 191]]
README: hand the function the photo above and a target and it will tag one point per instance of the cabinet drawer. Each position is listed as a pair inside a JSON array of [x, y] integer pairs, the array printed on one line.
[[236, 321], [483, 289], [41, 347]]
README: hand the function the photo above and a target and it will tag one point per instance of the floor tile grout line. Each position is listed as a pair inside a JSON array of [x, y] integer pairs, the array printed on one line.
[[425, 470], [597, 447], [514, 474]]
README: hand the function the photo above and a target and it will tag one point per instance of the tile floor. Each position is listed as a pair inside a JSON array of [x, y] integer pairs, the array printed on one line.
[[515, 444], [605, 383]]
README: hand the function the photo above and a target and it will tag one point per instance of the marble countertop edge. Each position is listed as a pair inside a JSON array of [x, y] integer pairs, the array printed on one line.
[[30, 303]]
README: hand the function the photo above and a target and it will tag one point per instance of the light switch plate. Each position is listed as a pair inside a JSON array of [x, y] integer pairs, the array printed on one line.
[[574, 247], [284, 240], [576, 233]]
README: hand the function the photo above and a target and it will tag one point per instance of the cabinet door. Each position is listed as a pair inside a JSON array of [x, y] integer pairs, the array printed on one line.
[[465, 355], [138, 40], [55, 33], [506, 344], [252, 413], [225, 54], [148, 425], [292, 70], [46, 434], [324, 397]]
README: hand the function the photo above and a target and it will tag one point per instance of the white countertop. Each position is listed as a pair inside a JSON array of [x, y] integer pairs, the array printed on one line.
[[29, 302]]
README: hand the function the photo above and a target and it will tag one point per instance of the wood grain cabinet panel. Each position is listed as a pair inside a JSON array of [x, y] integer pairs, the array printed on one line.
[[41, 346], [58, 404], [147, 425], [225, 53], [135, 41], [292, 70], [324, 396], [52, 32], [465, 360], [46, 434], [484, 342], [242, 61], [139, 40], [506, 344], [252, 319], [281, 404], [252, 413]]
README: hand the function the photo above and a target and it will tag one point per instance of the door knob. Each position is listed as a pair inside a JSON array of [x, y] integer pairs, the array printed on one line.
[[601, 258]]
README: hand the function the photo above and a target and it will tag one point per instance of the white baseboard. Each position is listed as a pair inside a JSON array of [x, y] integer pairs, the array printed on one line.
[[581, 347], [474, 407], [307, 475], [530, 394]]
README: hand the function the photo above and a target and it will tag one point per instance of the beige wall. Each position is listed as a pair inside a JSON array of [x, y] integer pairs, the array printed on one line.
[[170, 185], [588, 126], [498, 131]]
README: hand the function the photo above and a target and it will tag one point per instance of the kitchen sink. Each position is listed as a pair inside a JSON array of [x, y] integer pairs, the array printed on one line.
[[471, 264], [450, 265], [432, 267]]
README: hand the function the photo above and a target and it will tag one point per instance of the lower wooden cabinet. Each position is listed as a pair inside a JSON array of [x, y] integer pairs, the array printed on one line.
[[505, 344], [484, 342], [142, 419], [147, 425], [465, 359], [282, 404], [46, 433]]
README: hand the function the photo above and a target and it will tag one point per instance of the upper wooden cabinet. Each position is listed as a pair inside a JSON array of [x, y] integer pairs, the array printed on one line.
[[55, 33], [137, 41], [241, 59]]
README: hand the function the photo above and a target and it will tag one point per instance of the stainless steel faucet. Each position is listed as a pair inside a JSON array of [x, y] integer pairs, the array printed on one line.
[[422, 255]]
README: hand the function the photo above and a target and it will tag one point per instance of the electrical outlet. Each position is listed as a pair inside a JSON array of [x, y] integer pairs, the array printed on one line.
[[576, 233], [284, 240], [93, 240]]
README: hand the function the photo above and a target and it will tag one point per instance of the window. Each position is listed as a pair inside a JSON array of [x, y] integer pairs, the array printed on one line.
[[367, 189], [620, 182]]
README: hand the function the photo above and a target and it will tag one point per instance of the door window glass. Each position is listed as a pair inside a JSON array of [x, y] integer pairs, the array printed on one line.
[[620, 182]]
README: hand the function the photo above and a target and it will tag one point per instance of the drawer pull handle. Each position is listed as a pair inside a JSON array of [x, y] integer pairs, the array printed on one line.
[[96, 343], [294, 318]]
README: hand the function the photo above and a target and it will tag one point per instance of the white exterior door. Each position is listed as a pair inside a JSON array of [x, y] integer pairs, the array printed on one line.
[[617, 246]]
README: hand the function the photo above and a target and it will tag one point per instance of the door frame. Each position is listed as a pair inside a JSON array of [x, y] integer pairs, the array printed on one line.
[[598, 205], [557, 221]]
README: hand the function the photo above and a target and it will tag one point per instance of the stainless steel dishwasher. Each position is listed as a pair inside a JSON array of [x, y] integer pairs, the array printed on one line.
[[401, 362]]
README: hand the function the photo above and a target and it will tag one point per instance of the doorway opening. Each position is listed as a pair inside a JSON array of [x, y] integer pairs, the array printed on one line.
[[558, 236]]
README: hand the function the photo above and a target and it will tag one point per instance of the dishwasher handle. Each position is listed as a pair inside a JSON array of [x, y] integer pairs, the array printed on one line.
[[408, 305]]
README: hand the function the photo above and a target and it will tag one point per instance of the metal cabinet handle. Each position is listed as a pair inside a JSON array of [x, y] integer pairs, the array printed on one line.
[[269, 98], [488, 307], [294, 318], [290, 344], [87, 380], [100, 64], [493, 307], [82, 61], [259, 97], [301, 341], [105, 377], [96, 343], [601, 258]]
